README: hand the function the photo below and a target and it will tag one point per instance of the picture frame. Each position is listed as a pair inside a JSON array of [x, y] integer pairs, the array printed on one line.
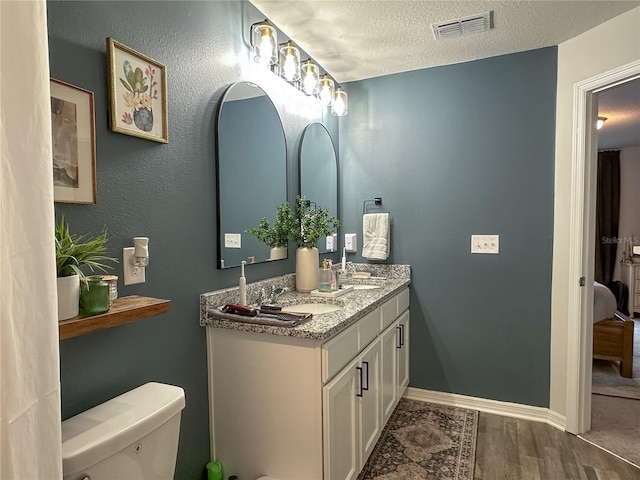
[[137, 93], [73, 143]]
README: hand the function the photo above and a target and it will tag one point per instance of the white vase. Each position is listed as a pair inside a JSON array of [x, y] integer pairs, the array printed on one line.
[[278, 253], [68, 297], [307, 269]]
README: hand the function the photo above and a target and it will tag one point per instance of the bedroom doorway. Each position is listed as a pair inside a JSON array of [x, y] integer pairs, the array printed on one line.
[[582, 243]]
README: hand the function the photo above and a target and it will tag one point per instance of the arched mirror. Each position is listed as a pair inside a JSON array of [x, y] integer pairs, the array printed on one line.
[[319, 171], [251, 168]]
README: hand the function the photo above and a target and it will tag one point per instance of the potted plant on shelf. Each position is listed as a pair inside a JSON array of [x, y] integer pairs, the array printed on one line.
[[73, 254], [276, 235], [311, 225]]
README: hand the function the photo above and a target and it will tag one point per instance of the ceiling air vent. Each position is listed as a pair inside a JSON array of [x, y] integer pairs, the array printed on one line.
[[462, 26]]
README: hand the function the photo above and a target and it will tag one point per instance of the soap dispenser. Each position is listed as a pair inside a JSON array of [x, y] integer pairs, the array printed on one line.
[[325, 277], [334, 277]]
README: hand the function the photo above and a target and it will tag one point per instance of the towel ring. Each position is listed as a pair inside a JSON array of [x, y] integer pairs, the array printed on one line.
[[377, 201]]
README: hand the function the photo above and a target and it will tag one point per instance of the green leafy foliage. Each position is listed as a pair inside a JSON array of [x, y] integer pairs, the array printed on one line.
[[312, 224], [278, 234], [75, 252]]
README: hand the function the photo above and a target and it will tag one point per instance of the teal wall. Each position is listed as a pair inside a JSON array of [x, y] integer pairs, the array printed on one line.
[[454, 151], [166, 192]]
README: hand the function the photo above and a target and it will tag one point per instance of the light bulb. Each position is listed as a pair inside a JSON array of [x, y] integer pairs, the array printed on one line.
[[290, 62], [264, 41], [289, 68], [339, 107], [326, 90], [325, 96], [600, 122], [265, 49], [309, 77], [309, 84]]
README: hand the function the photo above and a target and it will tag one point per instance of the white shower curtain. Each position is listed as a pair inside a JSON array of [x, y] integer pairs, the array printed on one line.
[[30, 440]]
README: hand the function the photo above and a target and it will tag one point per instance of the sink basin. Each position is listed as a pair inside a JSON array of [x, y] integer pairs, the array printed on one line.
[[365, 287], [314, 308]]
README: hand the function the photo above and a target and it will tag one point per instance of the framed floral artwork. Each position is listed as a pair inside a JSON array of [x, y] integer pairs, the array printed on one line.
[[74, 144], [138, 93]]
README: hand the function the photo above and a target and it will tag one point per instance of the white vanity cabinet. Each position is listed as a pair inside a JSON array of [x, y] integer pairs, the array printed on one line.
[[295, 408], [352, 420], [394, 341]]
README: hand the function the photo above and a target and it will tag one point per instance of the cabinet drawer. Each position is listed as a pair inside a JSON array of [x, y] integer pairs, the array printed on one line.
[[637, 270], [403, 300], [388, 312], [338, 351], [636, 288], [368, 328], [636, 302]]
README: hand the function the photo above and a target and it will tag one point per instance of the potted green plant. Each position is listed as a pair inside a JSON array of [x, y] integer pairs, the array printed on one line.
[[311, 225], [276, 235], [73, 254]]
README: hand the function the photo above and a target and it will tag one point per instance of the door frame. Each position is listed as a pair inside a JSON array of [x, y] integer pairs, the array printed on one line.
[[582, 242]]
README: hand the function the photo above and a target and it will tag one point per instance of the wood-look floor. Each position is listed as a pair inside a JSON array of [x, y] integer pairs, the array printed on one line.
[[515, 449]]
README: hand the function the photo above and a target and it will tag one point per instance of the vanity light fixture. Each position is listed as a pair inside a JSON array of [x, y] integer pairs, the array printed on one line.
[[134, 260], [264, 43], [340, 106], [290, 62], [310, 74], [326, 90], [284, 61], [600, 122]]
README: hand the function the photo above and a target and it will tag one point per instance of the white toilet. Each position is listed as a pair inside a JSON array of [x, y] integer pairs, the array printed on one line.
[[132, 436]]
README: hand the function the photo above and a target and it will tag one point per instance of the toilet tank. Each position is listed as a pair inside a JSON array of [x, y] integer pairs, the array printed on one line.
[[132, 436]]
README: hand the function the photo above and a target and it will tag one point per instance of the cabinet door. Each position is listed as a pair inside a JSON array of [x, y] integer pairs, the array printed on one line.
[[403, 353], [369, 403], [388, 369], [340, 420]]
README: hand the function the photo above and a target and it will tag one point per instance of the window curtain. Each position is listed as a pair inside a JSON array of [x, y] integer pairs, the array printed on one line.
[[607, 215], [30, 423]]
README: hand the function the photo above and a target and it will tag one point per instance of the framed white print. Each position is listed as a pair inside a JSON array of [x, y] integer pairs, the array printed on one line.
[[137, 93], [74, 145]]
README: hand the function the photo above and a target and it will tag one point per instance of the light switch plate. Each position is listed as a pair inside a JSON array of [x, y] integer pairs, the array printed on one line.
[[232, 240], [132, 275], [485, 244]]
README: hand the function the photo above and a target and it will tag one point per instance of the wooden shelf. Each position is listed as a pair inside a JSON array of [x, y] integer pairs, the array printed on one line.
[[123, 310]]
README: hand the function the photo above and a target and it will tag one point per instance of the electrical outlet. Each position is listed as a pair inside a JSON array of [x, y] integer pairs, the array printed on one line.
[[132, 275], [332, 242], [485, 244], [232, 240], [351, 242]]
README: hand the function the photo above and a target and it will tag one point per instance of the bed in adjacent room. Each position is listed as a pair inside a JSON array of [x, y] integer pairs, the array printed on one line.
[[612, 331]]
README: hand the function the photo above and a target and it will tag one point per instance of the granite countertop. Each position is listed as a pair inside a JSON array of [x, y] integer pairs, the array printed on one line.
[[355, 305]]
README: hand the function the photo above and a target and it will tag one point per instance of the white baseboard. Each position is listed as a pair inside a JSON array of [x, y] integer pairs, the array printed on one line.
[[496, 407]]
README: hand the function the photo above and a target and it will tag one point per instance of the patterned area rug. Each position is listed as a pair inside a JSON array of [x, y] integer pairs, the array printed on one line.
[[425, 441]]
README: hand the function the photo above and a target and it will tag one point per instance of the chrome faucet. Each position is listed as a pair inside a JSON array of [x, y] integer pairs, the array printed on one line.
[[269, 299]]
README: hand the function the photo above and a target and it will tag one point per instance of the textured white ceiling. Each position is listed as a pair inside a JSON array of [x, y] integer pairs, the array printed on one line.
[[357, 39]]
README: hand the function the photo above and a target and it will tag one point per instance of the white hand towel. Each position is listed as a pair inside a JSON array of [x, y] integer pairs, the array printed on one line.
[[375, 232]]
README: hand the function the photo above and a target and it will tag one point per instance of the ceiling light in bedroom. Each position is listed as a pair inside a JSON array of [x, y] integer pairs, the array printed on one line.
[[600, 122]]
